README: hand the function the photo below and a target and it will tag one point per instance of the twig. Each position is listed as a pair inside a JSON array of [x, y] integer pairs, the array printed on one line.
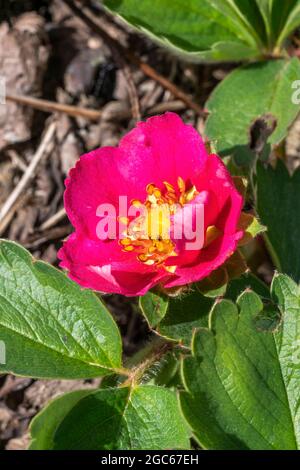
[[16, 160], [29, 173], [53, 220], [51, 106], [132, 91], [123, 52], [163, 81], [15, 207], [159, 108], [56, 233]]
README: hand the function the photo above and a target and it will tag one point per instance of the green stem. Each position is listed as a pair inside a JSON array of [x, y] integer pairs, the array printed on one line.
[[148, 356]]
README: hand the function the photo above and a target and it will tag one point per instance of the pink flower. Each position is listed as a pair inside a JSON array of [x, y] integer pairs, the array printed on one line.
[[162, 160]]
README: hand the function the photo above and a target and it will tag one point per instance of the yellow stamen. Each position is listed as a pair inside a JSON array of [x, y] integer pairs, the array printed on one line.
[[150, 188], [123, 220], [171, 269], [169, 187], [150, 262], [129, 248], [148, 235], [125, 241], [136, 203], [181, 184], [190, 194], [212, 233]]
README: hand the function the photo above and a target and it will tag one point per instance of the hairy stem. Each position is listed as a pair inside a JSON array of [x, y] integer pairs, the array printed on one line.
[[148, 356]]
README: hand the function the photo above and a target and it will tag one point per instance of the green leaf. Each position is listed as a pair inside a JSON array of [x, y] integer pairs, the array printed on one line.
[[268, 319], [138, 418], [265, 7], [43, 425], [251, 227], [287, 295], [215, 284], [247, 281], [278, 205], [246, 15], [214, 30], [242, 385], [154, 307], [206, 30], [50, 326], [187, 312], [248, 93], [184, 315], [280, 18], [167, 371], [275, 14], [288, 18]]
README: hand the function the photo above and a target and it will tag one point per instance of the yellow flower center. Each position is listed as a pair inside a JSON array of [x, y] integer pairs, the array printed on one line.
[[148, 235]]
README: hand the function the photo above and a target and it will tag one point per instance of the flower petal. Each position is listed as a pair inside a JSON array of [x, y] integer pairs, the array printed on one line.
[[158, 150], [162, 149], [217, 180], [207, 261], [104, 267]]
